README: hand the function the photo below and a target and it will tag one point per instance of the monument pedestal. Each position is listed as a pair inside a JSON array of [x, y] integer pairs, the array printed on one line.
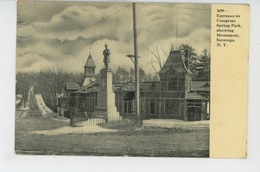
[[106, 97]]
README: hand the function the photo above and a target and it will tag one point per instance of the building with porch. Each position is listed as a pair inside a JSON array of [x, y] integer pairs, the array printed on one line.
[[169, 98], [174, 96]]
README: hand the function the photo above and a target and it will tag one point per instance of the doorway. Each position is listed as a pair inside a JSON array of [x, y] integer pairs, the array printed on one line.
[[194, 113], [129, 103]]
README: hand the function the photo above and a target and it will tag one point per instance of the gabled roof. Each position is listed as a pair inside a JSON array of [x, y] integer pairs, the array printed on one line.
[[72, 86], [129, 86], [200, 86], [95, 87], [174, 61], [194, 96], [91, 87], [150, 86], [90, 62]]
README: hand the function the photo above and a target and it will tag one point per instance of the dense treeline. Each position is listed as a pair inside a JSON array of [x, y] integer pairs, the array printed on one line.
[[49, 83], [199, 64], [203, 66], [121, 75]]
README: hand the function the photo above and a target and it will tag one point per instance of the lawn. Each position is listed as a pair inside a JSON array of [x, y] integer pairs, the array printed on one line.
[[150, 141]]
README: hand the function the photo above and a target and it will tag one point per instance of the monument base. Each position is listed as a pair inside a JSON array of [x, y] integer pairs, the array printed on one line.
[[106, 97], [76, 121], [106, 113]]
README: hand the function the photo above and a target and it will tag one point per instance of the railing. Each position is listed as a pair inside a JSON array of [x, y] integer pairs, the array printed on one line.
[[110, 123]]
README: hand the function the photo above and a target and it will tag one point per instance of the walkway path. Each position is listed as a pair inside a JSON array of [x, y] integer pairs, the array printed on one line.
[[173, 123], [42, 106], [75, 130]]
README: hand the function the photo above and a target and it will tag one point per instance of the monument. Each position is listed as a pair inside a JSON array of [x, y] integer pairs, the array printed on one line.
[[106, 59], [106, 97]]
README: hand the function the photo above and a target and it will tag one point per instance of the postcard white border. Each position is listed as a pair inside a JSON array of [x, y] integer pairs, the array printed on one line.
[[11, 162]]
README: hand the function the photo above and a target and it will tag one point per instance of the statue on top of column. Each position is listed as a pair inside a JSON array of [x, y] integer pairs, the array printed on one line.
[[106, 58]]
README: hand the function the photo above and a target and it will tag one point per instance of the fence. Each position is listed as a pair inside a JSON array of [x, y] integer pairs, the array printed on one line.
[[110, 123]]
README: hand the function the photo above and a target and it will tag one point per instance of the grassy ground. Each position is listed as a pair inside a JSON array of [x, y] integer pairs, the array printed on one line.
[[150, 141]]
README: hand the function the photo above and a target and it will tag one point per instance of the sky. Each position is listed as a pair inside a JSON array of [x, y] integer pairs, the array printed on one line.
[[63, 34]]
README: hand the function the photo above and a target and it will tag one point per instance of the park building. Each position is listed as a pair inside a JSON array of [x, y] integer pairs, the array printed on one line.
[[174, 96]]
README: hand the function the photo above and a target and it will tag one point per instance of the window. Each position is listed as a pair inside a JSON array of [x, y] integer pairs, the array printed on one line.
[[164, 86], [152, 106], [129, 102], [142, 105], [181, 86], [157, 107], [172, 84], [167, 107], [162, 106], [172, 107], [171, 73], [147, 103], [189, 84]]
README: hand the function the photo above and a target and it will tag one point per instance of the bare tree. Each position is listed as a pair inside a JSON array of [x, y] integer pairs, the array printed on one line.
[[51, 83], [159, 58]]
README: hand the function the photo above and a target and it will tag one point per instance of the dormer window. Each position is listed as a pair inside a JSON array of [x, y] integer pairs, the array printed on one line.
[[171, 73]]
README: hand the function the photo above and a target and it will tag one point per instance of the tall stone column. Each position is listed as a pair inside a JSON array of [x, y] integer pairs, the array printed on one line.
[[106, 97]]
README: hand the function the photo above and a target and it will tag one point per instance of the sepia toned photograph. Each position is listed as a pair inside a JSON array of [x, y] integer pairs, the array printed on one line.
[[113, 79]]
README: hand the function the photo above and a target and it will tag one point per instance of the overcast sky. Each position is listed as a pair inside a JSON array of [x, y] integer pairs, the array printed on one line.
[[62, 34]]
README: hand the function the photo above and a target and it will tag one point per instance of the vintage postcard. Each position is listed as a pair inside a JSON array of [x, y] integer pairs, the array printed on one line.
[[131, 79]]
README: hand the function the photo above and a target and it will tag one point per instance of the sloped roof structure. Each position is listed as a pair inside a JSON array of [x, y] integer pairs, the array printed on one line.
[[72, 86], [90, 62], [175, 61], [200, 86], [194, 96]]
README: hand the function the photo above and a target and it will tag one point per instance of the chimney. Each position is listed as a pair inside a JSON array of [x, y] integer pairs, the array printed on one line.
[[187, 58]]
